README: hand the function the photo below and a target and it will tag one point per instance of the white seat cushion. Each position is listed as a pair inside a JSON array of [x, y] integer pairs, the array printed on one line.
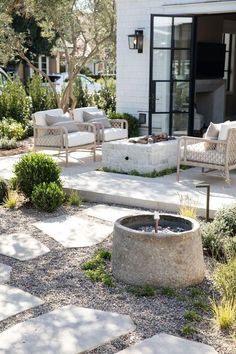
[[40, 117], [114, 134], [80, 138], [77, 113]]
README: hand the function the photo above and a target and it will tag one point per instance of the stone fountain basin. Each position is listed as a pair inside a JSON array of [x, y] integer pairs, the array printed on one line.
[[159, 259]]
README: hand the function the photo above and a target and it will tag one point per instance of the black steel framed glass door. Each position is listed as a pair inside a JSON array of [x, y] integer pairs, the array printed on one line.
[[172, 75]]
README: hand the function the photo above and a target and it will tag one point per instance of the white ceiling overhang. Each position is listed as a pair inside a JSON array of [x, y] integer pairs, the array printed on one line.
[[199, 6]]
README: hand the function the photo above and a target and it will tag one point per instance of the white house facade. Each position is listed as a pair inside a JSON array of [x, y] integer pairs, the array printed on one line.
[[185, 75]]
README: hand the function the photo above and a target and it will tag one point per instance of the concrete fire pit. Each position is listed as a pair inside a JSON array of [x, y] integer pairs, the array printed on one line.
[[161, 259]]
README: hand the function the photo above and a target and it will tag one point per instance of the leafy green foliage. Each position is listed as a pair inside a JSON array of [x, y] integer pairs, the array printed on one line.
[[41, 95], [14, 102], [188, 329], [83, 99], [226, 216], [95, 268], [3, 189], [33, 169], [191, 316], [225, 279], [201, 304], [170, 292], [196, 292], [225, 313], [105, 99], [11, 199], [153, 174], [11, 129], [47, 196], [141, 291], [133, 124], [217, 241], [6, 144], [74, 199]]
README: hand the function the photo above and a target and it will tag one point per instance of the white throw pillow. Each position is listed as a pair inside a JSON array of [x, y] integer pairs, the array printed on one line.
[[225, 128], [50, 119], [212, 132], [97, 117], [69, 125]]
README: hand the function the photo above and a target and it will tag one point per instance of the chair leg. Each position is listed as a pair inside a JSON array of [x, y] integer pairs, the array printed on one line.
[[178, 168], [66, 157], [227, 177]]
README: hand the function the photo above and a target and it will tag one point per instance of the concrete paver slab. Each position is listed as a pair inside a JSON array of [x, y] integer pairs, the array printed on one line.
[[69, 330], [111, 213], [5, 272], [161, 193], [21, 246], [14, 300], [75, 231], [166, 344]]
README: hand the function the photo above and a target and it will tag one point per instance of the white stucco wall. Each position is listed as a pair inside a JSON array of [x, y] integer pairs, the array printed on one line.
[[132, 67]]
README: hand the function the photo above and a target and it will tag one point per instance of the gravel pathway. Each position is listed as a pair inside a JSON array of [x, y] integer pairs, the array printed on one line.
[[58, 280]]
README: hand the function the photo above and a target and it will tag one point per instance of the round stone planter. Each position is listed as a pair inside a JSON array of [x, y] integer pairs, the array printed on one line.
[[160, 259]]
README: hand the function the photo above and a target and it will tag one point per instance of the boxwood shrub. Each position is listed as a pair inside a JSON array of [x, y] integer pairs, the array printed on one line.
[[47, 196], [3, 190], [34, 169]]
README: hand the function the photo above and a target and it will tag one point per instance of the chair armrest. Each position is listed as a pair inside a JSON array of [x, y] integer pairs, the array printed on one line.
[[86, 127], [42, 136], [52, 130], [119, 123], [189, 140]]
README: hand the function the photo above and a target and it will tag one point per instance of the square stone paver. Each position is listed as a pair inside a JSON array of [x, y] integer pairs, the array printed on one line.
[[75, 231], [5, 272], [111, 213], [69, 330], [14, 300], [21, 246], [166, 344]]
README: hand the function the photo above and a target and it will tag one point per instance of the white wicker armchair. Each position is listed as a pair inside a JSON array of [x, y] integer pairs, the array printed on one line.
[[208, 154], [58, 138], [117, 131]]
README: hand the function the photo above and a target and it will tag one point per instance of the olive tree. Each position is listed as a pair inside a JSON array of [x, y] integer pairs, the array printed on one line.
[[79, 28]]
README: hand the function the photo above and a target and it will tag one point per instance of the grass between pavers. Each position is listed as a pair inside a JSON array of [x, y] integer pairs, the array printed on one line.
[[95, 268], [153, 174]]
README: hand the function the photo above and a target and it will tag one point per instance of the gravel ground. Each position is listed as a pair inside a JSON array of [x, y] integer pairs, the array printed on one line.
[[58, 280]]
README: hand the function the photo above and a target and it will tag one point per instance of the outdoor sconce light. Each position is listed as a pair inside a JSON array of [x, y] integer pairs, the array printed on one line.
[[136, 40]]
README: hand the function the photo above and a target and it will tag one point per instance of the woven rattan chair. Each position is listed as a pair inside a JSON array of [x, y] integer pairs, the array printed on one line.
[[57, 138], [118, 130], [208, 154]]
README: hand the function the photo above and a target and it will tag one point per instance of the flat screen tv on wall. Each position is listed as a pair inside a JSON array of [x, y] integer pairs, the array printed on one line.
[[210, 60]]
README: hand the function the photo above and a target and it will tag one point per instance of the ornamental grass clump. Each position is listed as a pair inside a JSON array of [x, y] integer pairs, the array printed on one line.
[[34, 169]]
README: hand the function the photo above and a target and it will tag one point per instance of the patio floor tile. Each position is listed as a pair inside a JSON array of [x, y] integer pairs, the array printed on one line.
[[75, 231], [14, 300], [5, 272], [69, 330], [166, 344], [111, 213], [21, 246]]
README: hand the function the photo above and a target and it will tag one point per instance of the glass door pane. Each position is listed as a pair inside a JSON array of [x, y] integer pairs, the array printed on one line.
[[182, 32], [170, 96], [162, 32], [162, 97], [161, 64]]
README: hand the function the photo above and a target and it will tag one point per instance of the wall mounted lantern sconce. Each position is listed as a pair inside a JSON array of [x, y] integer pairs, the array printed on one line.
[[136, 40]]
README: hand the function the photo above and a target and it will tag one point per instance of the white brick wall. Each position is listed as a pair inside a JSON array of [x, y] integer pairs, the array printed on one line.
[[132, 67]]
